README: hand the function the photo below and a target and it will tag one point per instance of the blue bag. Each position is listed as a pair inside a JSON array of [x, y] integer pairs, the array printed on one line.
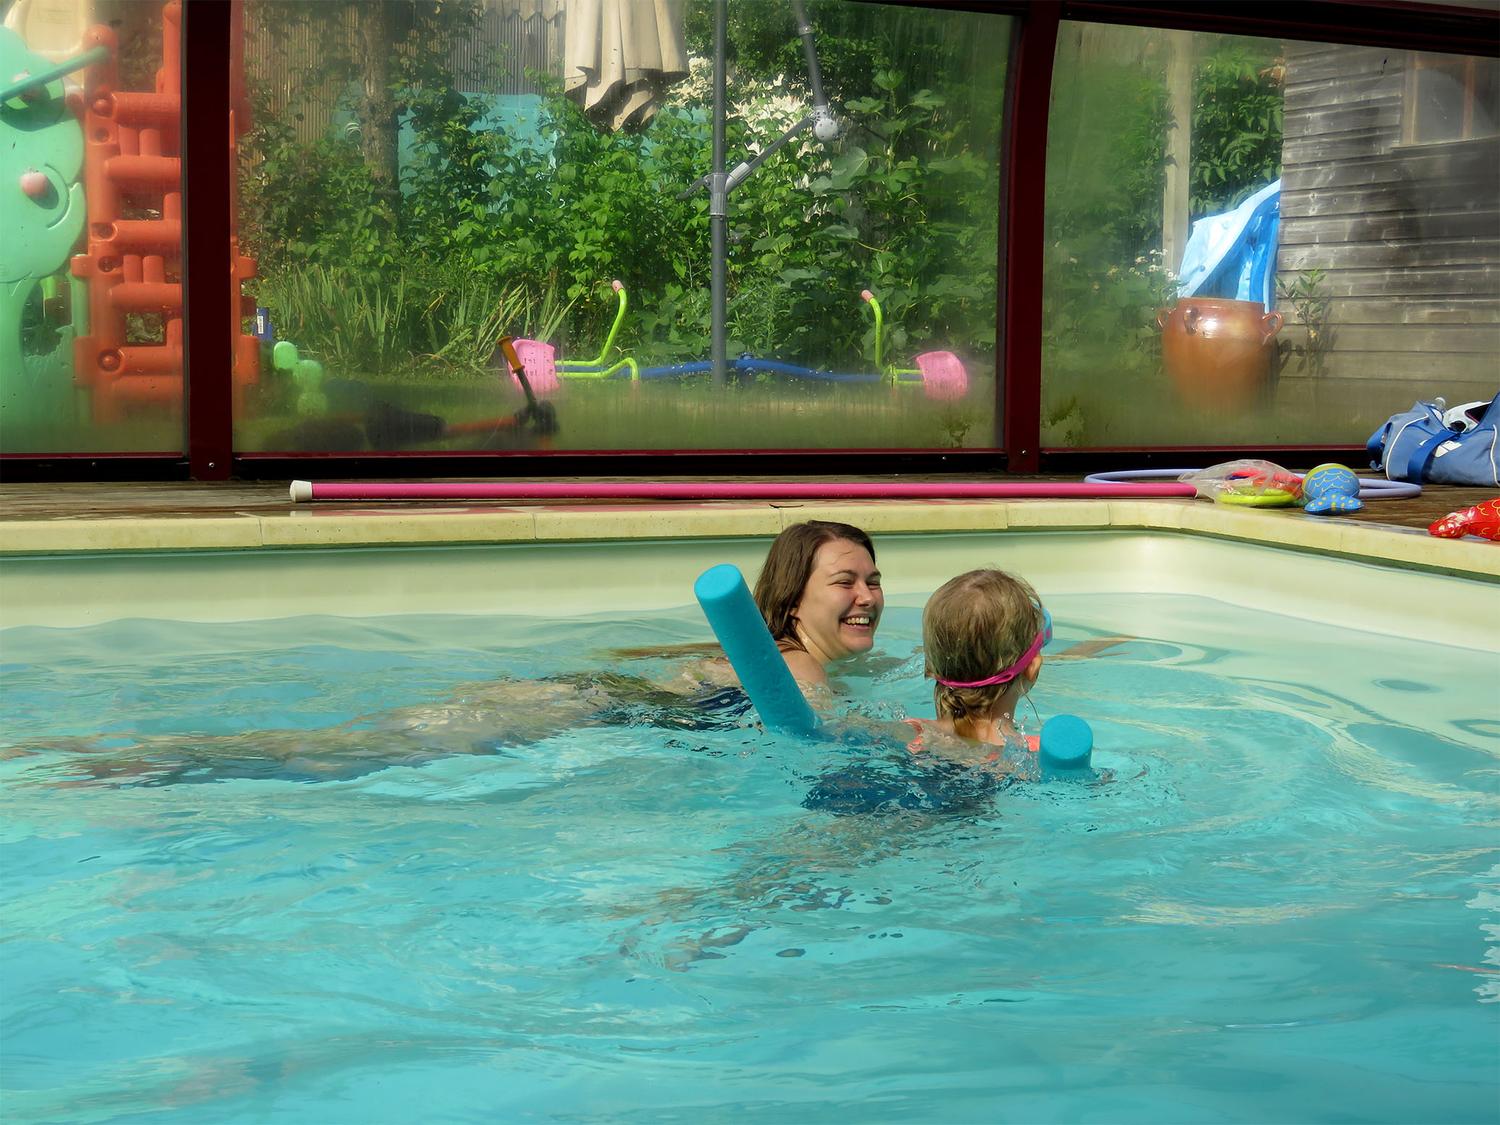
[[1417, 445]]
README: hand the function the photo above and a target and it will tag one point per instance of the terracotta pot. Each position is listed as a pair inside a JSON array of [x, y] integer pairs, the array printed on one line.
[[1218, 353]]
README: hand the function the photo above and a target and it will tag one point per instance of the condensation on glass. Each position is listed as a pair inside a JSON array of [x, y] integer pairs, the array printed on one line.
[[1266, 241], [417, 185], [91, 305]]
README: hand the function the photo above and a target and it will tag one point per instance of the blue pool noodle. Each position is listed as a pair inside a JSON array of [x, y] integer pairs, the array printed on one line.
[[1067, 747], [743, 635]]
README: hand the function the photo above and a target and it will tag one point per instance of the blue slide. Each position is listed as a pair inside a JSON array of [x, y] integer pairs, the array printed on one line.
[[1233, 255]]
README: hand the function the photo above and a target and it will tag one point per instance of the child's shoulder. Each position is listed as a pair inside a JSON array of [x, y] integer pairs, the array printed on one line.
[[936, 739], [938, 742]]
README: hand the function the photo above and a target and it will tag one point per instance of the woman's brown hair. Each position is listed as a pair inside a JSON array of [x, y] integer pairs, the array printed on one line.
[[975, 625], [789, 564]]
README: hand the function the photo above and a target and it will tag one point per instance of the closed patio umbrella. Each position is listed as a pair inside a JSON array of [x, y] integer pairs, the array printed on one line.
[[619, 55]]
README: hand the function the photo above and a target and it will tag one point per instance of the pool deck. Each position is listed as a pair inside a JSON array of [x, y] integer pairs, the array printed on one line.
[[74, 519]]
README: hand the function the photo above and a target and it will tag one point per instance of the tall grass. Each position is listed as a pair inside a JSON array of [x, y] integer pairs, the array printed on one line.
[[416, 321]]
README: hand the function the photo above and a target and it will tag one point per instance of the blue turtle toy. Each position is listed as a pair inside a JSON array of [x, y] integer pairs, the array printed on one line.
[[1331, 490]]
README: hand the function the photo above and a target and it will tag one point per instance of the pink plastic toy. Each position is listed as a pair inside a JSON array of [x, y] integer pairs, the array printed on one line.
[[34, 183], [943, 375], [540, 361]]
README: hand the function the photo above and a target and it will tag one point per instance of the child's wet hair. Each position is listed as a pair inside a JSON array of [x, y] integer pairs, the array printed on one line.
[[974, 626]]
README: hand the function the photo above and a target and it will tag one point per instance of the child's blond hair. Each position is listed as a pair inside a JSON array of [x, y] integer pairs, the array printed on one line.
[[974, 626]]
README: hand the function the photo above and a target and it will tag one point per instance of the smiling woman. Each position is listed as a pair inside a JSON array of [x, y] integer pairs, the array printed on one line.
[[818, 591], [821, 597]]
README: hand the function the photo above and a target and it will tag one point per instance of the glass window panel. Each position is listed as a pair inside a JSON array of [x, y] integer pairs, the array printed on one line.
[[1372, 278], [418, 183], [90, 292], [1484, 118], [1453, 99], [1440, 98]]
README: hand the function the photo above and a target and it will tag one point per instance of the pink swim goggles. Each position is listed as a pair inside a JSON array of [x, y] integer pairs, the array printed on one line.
[[1010, 672]]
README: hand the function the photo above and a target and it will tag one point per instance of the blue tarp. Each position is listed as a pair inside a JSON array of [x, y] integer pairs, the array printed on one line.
[[1233, 254]]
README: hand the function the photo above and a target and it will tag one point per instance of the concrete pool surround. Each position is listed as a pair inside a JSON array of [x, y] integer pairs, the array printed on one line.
[[79, 555], [249, 527], [593, 573]]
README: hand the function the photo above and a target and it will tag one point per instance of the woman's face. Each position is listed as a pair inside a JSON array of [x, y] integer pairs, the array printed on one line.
[[841, 604]]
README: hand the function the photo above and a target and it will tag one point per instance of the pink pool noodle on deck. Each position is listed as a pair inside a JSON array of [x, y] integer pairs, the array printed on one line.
[[303, 491]]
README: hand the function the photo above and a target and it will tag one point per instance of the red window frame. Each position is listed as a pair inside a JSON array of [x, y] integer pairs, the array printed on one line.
[[207, 30]]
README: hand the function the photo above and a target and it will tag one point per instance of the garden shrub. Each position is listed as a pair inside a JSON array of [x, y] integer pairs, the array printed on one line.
[[904, 203]]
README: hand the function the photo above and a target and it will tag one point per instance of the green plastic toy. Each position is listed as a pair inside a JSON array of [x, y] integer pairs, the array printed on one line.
[[42, 215], [307, 374], [599, 367]]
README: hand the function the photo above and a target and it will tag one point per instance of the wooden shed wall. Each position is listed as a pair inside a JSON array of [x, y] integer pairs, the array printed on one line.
[[1408, 238]]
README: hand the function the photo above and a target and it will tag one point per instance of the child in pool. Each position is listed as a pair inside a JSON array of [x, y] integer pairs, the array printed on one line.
[[982, 634]]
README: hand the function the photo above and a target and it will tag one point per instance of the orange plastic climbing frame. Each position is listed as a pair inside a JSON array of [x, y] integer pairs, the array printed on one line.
[[133, 239]]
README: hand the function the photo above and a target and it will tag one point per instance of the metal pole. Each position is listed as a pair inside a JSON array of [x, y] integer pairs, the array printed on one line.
[[825, 128], [718, 207]]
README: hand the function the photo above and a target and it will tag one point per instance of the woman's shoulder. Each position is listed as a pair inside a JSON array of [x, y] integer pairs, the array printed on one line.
[[805, 670]]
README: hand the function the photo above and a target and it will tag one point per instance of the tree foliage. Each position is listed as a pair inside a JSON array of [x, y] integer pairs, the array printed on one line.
[[1237, 124], [903, 203]]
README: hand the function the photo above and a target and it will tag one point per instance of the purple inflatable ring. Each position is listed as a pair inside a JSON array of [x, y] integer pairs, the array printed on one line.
[[1370, 488]]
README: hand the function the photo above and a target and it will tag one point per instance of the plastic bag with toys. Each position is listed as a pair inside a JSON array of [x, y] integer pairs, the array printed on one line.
[[1247, 483]]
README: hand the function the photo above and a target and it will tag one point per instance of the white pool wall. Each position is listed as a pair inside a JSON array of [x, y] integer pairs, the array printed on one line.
[[590, 577]]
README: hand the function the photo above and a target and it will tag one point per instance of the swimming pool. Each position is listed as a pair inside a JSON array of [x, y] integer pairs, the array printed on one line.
[[1283, 908]]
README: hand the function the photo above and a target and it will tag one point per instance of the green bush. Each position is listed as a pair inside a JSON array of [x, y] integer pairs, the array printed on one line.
[[1237, 124], [312, 204], [1107, 174], [902, 205], [489, 220]]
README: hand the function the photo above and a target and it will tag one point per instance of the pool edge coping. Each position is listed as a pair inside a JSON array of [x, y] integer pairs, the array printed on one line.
[[309, 527]]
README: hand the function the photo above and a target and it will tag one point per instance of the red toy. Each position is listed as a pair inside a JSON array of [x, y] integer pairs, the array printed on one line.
[[1483, 519]]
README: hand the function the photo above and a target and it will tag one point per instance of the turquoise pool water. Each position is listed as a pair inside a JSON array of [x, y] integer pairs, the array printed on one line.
[[1284, 908]]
